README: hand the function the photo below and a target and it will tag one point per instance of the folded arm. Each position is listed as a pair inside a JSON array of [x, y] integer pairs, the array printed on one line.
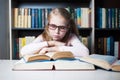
[[33, 48], [74, 45], [77, 47], [38, 46]]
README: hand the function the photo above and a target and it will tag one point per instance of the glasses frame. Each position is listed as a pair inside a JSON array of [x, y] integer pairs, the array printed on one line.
[[60, 28]]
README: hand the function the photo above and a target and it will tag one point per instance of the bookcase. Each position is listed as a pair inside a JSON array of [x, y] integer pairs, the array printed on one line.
[[17, 32], [107, 27]]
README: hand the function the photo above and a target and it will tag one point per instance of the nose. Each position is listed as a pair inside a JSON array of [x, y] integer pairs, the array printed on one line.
[[57, 30]]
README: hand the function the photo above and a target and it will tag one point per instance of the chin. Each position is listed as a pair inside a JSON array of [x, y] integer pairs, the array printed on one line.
[[56, 39]]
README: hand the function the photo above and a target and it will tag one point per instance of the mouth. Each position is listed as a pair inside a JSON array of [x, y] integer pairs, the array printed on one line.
[[56, 36]]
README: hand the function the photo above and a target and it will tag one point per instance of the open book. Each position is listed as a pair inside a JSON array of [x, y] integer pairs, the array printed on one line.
[[43, 62], [106, 62], [49, 56]]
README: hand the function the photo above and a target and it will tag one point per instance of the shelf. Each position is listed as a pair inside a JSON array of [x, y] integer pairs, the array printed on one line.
[[61, 3], [85, 31], [81, 29], [27, 29], [107, 32], [107, 3], [22, 32], [69, 1], [37, 31], [107, 29]]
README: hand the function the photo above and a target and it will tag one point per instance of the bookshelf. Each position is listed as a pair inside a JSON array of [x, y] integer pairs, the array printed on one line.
[[17, 32], [107, 27]]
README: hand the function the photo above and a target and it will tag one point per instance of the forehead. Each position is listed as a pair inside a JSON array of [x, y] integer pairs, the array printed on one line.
[[58, 20]]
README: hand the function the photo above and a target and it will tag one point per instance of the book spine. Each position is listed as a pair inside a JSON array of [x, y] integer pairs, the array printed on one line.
[[15, 17], [39, 18], [26, 18], [32, 18], [29, 18], [36, 18], [19, 17]]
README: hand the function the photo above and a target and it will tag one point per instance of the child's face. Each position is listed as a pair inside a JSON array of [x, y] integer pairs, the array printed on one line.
[[57, 27]]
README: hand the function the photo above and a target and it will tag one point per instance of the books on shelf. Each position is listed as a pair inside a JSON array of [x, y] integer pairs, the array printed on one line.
[[107, 46], [37, 17], [106, 62], [19, 43], [52, 61], [108, 18]]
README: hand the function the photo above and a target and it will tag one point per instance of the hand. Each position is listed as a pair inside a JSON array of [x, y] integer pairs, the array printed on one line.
[[48, 49], [56, 43], [43, 51]]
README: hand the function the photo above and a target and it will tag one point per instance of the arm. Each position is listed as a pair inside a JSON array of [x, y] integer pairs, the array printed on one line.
[[52, 47], [77, 47], [33, 47]]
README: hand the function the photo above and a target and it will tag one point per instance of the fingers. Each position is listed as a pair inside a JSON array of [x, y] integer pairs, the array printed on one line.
[[43, 51], [56, 43]]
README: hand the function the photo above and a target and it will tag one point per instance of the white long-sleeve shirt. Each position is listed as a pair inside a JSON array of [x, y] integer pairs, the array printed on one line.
[[74, 45]]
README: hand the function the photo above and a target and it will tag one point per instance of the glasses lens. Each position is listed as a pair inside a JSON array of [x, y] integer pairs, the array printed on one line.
[[52, 26], [63, 28]]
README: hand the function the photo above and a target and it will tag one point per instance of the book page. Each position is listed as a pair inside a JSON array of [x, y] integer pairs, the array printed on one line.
[[107, 58], [72, 65], [22, 65], [50, 54], [117, 62], [60, 55], [102, 61], [36, 57], [116, 66]]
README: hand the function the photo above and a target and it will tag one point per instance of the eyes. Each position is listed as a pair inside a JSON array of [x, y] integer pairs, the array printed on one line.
[[61, 28]]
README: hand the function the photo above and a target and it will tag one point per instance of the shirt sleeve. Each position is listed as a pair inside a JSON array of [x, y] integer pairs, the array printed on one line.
[[77, 47], [33, 47]]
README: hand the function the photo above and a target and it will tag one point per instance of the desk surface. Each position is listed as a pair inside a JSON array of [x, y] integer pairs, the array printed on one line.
[[6, 73]]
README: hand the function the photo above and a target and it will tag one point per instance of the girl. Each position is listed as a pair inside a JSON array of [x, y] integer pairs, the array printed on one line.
[[60, 34]]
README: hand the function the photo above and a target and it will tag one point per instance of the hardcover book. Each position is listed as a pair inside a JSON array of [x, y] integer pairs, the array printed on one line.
[[106, 62], [49, 56], [52, 61]]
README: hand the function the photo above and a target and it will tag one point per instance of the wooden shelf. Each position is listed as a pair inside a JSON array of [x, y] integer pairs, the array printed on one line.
[[27, 29], [107, 32], [85, 31]]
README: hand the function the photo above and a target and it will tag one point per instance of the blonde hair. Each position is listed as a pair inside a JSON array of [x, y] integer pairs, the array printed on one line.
[[67, 16]]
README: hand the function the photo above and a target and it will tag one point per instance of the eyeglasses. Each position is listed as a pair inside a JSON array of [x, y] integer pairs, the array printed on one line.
[[61, 28]]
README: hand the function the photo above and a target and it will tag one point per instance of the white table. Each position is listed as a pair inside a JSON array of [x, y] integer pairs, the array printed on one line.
[[6, 73]]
